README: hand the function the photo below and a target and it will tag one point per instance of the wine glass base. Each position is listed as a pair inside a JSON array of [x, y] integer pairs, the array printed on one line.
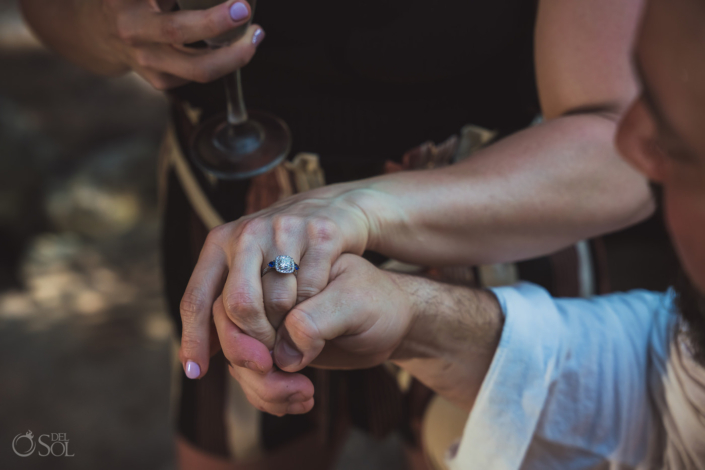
[[263, 142]]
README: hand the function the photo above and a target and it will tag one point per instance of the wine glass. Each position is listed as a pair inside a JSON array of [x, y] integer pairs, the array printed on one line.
[[234, 145]]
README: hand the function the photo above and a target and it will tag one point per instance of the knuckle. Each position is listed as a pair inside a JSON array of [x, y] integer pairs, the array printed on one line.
[[300, 327], [307, 291], [212, 25], [125, 32], [172, 31], [285, 224], [144, 59], [191, 343], [322, 230], [240, 304], [217, 235], [193, 303], [281, 303], [254, 227]]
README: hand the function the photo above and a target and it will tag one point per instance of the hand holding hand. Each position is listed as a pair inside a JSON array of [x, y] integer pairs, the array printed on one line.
[[250, 362], [313, 228], [357, 321]]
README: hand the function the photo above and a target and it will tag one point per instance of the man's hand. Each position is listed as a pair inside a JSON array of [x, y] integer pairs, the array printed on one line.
[[356, 322], [444, 335], [113, 36]]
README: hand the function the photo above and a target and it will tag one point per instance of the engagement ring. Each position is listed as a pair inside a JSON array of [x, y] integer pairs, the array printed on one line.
[[282, 264]]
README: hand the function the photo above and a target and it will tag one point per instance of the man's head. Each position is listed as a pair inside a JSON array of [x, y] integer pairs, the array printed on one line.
[[663, 134]]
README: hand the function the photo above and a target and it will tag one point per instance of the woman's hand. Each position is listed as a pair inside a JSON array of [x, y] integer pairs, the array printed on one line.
[[250, 363], [151, 41], [113, 36], [313, 228]]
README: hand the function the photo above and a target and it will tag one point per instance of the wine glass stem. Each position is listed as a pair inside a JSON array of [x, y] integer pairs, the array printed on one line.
[[237, 113]]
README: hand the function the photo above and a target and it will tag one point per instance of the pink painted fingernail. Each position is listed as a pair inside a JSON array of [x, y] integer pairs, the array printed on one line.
[[239, 11], [257, 37], [192, 370]]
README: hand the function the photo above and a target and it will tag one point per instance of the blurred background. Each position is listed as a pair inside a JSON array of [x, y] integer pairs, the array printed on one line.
[[84, 339]]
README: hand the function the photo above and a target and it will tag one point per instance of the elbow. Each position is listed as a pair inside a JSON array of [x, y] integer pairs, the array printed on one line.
[[609, 111]]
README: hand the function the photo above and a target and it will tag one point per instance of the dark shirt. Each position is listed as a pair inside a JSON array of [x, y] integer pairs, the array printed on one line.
[[361, 82]]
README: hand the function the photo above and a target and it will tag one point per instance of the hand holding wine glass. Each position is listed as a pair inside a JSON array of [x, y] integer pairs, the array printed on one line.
[[147, 37], [235, 145]]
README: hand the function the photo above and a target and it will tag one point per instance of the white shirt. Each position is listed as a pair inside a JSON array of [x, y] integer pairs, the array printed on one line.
[[597, 383]]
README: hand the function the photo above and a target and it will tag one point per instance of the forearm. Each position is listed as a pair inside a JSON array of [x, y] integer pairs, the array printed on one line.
[[65, 27], [530, 194], [452, 338]]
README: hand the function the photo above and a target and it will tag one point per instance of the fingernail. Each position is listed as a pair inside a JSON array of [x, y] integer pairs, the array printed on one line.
[[253, 366], [257, 37], [297, 397], [238, 11], [192, 370], [286, 354]]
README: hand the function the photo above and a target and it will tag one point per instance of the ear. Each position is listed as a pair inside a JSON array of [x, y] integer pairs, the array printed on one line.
[[636, 141]]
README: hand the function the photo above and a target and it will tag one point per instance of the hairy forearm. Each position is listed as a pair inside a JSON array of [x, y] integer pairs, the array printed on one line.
[[73, 29], [530, 194], [452, 338]]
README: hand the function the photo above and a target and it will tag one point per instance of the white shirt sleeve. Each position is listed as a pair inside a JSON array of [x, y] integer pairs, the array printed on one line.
[[568, 386]]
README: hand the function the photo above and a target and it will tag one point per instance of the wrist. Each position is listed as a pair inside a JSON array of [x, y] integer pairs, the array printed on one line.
[[419, 340], [447, 321], [451, 340], [381, 210]]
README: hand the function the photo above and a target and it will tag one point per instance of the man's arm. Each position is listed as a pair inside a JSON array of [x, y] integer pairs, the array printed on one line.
[[444, 335], [452, 337], [563, 380]]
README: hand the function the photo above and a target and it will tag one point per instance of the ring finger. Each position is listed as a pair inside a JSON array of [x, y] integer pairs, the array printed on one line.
[[279, 286]]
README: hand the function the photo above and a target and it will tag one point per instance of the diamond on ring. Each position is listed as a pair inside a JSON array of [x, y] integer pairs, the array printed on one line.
[[285, 264], [282, 264]]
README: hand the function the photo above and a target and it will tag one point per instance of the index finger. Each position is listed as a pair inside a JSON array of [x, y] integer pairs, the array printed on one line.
[[243, 298], [182, 27], [196, 305]]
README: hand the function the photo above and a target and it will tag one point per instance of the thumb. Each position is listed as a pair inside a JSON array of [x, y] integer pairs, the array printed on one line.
[[305, 330]]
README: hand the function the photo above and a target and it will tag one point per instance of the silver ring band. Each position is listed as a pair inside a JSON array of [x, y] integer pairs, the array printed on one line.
[[282, 264]]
